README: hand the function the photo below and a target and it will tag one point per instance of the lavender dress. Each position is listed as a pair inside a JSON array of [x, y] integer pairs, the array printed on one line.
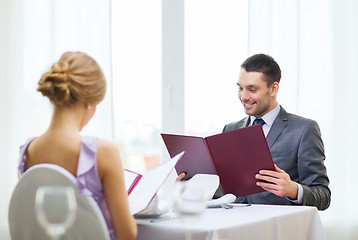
[[87, 175]]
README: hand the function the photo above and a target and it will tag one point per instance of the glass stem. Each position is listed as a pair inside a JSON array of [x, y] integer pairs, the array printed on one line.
[[188, 233], [56, 237]]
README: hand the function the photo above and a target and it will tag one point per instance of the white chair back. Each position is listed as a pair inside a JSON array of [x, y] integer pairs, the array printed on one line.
[[23, 224]]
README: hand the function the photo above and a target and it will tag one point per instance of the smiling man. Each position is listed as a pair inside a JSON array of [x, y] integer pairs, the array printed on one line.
[[295, 142]]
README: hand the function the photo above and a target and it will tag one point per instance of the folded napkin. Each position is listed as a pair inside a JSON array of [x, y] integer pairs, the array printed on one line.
[[227, 198], [209, 183]]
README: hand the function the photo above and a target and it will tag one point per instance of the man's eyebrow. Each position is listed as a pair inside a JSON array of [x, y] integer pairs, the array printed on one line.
[[248, 86]]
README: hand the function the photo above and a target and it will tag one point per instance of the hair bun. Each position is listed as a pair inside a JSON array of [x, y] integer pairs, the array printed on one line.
[[55, 83], [59, 67], [74, 77]]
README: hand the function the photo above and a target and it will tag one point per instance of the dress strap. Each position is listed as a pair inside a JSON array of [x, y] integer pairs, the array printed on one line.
[[87, 163], [22, 158]]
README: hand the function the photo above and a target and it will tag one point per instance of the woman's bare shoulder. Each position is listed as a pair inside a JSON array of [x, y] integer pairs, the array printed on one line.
[[108, 157], [106, 147]]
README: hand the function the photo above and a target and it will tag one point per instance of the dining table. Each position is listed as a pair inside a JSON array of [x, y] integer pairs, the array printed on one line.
[[239, 221]]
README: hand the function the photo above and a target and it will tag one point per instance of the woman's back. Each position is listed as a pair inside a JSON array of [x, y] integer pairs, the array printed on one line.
[[86, 172], [57, 148]]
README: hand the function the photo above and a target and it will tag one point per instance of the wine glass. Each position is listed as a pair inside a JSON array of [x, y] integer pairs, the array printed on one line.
[[189, 202], [55, 209]]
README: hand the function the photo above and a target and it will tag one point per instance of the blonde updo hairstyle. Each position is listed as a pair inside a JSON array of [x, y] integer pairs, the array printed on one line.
[[74, 77]]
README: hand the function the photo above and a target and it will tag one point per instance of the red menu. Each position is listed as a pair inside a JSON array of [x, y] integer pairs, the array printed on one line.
[[235, 156]]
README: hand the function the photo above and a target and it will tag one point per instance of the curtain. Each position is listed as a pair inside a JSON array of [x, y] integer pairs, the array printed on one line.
[[34, 34], [315, 44]]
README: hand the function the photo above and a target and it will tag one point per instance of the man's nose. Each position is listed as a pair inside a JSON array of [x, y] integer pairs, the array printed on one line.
[[243, 95]]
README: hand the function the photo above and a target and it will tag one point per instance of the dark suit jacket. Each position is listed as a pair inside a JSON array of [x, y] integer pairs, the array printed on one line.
[[296, 147]]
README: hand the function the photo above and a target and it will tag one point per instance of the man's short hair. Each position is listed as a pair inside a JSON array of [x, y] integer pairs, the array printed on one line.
[[264, 64]]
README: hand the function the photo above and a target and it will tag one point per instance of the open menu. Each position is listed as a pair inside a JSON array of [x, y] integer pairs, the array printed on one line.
[[142, 188], [235, 156]]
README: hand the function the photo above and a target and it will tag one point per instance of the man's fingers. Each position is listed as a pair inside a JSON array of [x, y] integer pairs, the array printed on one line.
[[270, 173], [180, 176], [279, 169], [266, 178]]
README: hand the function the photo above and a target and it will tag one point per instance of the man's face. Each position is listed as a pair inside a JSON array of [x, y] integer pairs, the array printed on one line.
[[256, 97]]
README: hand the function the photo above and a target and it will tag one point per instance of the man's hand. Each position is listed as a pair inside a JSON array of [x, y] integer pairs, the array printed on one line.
[[180, 176], [277, 182]]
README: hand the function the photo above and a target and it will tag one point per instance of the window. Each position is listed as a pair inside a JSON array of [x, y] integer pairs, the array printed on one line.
[[215, 45], [136, 62]]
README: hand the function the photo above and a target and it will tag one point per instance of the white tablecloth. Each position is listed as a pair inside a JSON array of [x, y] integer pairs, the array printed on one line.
[[261, 222]]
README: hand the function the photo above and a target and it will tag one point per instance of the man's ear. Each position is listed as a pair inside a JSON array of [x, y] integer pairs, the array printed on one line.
[[274, 88]]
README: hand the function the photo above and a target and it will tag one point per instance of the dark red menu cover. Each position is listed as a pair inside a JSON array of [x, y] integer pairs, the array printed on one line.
[[235, 156]]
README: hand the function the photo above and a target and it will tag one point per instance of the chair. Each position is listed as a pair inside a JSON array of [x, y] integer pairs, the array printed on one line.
[[23, 224]]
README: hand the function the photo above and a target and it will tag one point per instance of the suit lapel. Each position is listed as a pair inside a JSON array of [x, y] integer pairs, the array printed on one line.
[[277, 127], [244, 123]]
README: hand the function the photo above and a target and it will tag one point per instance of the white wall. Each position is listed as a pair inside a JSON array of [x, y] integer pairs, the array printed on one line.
[[341, 219], [11, 100], [315, 43]]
